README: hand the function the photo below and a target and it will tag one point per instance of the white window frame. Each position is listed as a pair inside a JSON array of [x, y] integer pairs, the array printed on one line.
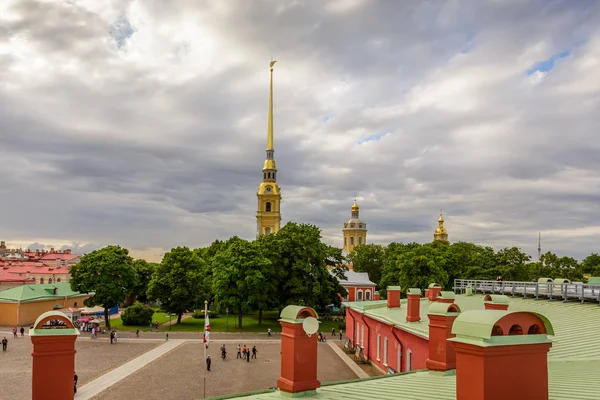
[[361, 297], [385, 351], [378, 347], [408, 360], [368, 296]]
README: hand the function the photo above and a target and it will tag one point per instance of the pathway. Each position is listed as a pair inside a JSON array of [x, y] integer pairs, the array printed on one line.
[[351, 364], [100, 384]]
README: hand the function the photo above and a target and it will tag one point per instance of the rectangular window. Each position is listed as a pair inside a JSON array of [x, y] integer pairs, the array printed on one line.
[[408, 360], [357, 333], [385, 351], [378, 347]]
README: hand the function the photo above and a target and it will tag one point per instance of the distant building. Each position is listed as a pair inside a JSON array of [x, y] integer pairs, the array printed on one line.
[[21, 305], [355, 230], [359, 286], [8, 280], [43, 266]]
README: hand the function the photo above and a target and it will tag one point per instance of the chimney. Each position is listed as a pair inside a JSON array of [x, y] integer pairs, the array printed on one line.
[[501, 355], [433, 291], [393, 296], [298, 352], [496, 302], [376, 296], [413, 314], [53, 357], [446, 297], [441, 353]]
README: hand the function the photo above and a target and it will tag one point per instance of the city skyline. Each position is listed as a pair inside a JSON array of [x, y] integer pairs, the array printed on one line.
[[143, 124]]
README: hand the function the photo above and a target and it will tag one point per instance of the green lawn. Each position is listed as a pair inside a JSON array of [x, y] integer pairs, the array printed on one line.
[[161, 317], [249, 323]]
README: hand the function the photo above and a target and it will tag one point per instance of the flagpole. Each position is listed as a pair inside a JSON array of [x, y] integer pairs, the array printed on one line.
[[205, 344]]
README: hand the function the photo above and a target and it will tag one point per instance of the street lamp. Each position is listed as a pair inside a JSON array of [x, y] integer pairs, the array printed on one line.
[[227, 320]]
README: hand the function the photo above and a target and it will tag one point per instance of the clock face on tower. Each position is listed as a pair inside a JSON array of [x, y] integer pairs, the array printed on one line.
[[268, 189]]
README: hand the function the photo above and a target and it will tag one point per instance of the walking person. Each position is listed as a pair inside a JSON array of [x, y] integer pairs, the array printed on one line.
[[137, 333], [115, 336], [341, 332], [15, 332], [247, 354], [254, 351], [333, 331], [239, 351], [208, 362], [244, 352], [269, 332], [75, 379], [4, 343], [112, 337], [22, 331]]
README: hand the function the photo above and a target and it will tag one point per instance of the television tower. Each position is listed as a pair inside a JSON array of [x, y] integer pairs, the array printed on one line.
[[539, 246]]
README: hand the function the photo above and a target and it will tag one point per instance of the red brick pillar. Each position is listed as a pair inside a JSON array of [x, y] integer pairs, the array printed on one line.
[[53, 357], [413, 314], [393, 296], [493, 365], [441, 353], [433, 291], [298, 352]]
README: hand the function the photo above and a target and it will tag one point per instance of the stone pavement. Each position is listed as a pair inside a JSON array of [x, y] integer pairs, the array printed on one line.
[[100, 384], [352, 365]]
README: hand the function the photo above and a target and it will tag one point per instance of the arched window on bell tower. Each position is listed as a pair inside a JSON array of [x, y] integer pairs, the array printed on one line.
[[351, 240], [268, 206], [267, 230]]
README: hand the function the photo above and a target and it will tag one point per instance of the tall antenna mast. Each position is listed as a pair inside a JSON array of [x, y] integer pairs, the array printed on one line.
[[539, 246]]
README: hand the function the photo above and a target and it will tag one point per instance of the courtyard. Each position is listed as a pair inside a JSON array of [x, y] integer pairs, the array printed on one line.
[[177, 374]]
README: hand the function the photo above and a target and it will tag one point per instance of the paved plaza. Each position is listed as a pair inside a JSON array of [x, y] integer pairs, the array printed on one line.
[[151, 368]]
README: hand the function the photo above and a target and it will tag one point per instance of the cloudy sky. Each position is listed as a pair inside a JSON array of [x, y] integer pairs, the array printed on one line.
[[143, 123]]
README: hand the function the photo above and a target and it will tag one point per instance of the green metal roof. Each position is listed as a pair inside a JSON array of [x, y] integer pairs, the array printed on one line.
[[497, 298], [414, 291], [573, 360], [290, 313], [591, 280], [25, 293]]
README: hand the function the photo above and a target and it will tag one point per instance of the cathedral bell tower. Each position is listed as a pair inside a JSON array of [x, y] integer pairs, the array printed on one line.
[[355, 230], [268, 216]]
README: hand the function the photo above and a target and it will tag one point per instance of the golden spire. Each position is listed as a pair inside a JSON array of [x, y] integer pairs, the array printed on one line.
[[355, 206], [441, 233], [270, 131], [441, 219]]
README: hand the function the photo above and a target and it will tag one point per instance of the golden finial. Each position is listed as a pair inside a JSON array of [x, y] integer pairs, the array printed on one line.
[[270, 123], [355, 205], [205, 301]]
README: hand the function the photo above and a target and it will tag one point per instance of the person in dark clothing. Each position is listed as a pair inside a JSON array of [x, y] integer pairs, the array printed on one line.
[[208, 362], [75, 378], [22, 331], [239, 351], [4, 343], [112, 337], [254, 351]]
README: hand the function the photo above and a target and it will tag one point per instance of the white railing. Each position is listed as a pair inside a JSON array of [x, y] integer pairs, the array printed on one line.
[[550, 290]]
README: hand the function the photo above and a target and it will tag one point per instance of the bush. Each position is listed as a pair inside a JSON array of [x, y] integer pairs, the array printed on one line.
[[137, 314]]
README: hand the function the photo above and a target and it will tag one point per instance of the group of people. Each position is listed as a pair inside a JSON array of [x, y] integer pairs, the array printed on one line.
[[243, 352], [113, 336], [15, 331]]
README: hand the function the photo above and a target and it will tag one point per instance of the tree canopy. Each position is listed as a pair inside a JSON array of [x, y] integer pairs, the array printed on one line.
[[109, 273], [177, 281]]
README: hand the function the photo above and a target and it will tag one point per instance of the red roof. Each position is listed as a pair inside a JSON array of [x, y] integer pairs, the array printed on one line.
[[6, 277], [34, 268], [58, 256]]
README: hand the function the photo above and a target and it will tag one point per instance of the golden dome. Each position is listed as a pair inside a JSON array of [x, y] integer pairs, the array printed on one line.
[[355, 206]]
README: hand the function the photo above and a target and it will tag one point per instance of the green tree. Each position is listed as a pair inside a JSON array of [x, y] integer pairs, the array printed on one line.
[[472, 261], [423, 265], [390, 273], [368, 258], [107, 272], [177, 281], [511, 263], [304, 266], [241, 276], [144, 271], [591, 265]]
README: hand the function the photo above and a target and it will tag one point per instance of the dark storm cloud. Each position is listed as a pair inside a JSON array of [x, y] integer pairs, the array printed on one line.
[[144, 123]]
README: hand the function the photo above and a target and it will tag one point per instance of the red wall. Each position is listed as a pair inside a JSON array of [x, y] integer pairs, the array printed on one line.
[[352, 292], [418, 346]]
